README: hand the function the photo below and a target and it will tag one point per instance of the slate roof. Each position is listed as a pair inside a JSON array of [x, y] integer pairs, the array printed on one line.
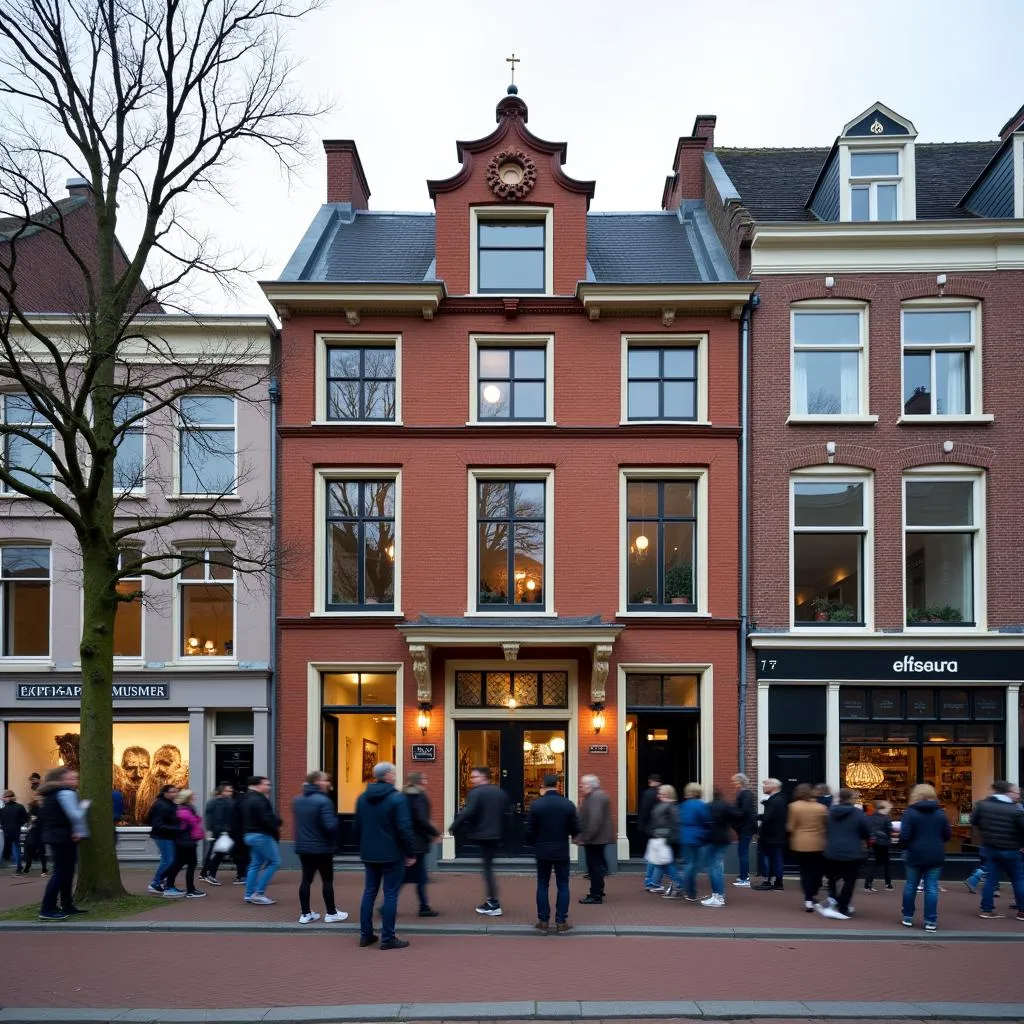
[[775, 184], [364, 246]]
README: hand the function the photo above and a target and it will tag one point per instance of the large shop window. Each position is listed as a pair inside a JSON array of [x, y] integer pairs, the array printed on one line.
[[147, 756], [510, 516], [939, 355], [829, 538], [511, 690], [206, 445], [25, 601], [661, 544], [828, 355], [941, 529], [207, 587], [360, 544], [952, 738], [359, 722], [128, 615], [24, 454]]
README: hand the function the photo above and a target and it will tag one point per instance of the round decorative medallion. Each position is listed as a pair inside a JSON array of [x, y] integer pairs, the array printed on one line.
[[511, 174]]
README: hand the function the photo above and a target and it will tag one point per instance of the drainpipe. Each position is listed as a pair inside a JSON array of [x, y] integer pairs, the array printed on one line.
[[748, 309], [274, 393]]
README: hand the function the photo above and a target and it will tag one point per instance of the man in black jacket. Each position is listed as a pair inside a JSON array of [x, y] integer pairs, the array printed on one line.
[[553, 822], [745, 824], [424, 832], [1000, 820], [261, 832], [483, 818], [163, 829], [386, 847], [316, 837], [217, 818], [772, 836]]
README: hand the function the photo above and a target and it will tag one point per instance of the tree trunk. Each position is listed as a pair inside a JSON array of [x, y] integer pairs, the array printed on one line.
[[99, 876]]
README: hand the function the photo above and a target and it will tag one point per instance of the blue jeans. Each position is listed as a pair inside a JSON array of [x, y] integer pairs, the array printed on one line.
[[692, 863], [714, 857], [653, 875], [561, 870], [743, 853], [931, 892], [1009, 863], [391, 875], [263, 864], [168, 851]]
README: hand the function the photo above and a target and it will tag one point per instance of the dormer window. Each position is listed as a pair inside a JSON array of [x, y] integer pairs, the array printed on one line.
[[874, 185], [511, 256]]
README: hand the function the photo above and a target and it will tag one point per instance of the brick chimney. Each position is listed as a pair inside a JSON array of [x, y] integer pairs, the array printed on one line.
[[346, 182], [79, 187], [687, 178], [1015, 124]]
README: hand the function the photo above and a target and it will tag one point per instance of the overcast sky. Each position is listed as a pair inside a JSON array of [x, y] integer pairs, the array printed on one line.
[[619, 82]]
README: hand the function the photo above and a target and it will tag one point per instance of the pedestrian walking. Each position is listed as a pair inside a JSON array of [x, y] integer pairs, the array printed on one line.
[[846, 833], [596, 832], [239, 851], [720, 823], [880, 824], [190, 835], [924, 832], [483, 819], [13, 816], [34, 846], [807, 824], [647, 803], [63, 825], [771, 840], [316, 838], [694, 821], [386, 847], [1000, 821], [262, 831], [552, 823], [823, 795], [163, 830], [217, 817], [664, 826], [424, 833], [745, 826]]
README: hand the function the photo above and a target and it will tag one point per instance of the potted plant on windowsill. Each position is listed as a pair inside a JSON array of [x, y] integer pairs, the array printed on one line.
[[950, 614], [822, 608], [679, 584], [643, 596], [842, 613], [915, 615]]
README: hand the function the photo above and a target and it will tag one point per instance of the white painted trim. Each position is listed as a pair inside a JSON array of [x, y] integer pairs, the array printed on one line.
[[180, 426], [314, 706], [327, 339], [197, 661], [763, 731], [825, 306], [669, 473], [832, 766], [695, 341], [514, 473], [824, 421], [321, 478], [1018, 174], [12, 662], [511, 213], [454, 714], [938, 421], [543, 341], [1013, 733]]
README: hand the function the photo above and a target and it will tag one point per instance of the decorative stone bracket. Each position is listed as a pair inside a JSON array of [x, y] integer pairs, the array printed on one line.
[[421, 669], [599, 673], [511, 651]]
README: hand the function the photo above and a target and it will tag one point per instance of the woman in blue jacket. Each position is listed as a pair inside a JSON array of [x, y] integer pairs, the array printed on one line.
[[924, 832], [694, 820]]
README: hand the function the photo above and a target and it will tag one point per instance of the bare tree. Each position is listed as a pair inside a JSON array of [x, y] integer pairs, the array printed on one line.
[[147, 101]]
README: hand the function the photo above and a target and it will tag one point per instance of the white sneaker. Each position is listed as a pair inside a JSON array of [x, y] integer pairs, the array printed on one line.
[[714, 900], [743, 883], [309, 918], [832, 913], [263, 901], [338, 915]]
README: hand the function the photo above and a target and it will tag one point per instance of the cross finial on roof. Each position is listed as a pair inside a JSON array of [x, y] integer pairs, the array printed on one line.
[[513, 60]]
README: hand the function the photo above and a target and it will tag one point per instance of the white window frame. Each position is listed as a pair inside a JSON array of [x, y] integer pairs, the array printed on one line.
[[701, 597], [514, 473], [326, 340], [813, 306], [322, 478], [29, 659], [699, 342], [906, 192], [186, 550], [975, 392], [180, 427], [139, 428], [1018, 174], [834, 475], [140, 658], [544, 214], [872, 181], [6, 492], [542, 341], [924, 474]]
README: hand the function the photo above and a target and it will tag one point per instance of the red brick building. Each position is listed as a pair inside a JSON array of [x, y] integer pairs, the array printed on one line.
[[887, 503], [509, 451]]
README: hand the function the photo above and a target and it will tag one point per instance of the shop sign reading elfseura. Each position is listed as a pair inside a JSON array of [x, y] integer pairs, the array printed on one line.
[[73, 691]]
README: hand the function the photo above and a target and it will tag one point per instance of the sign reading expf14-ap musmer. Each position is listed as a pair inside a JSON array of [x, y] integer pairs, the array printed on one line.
[[73, 691]]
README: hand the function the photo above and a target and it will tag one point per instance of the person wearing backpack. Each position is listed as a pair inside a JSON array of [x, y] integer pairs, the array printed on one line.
[[880, 825]]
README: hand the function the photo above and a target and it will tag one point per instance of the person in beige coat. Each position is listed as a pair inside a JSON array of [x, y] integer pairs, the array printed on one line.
[[596, 832], [807, 824]]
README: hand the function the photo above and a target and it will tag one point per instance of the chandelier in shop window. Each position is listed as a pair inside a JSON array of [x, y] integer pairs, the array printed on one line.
[[864, 775]]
